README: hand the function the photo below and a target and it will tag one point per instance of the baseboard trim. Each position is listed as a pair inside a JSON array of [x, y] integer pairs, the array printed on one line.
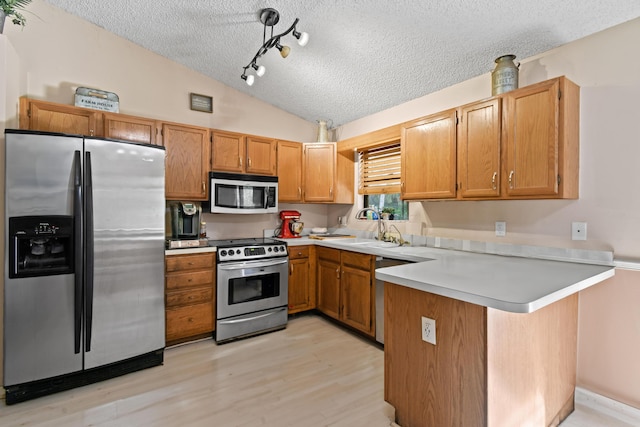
[[605, 405]]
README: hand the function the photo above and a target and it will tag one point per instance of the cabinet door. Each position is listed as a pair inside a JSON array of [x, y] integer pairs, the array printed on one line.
[[356, 299], [479, 149], [328, 279], [187, 164], [299, 289], [357, 291], [289, 171], [130, 128], [52, 117], [261, 156], [531, 140], [319, 172], [429, 157], [227, 152]]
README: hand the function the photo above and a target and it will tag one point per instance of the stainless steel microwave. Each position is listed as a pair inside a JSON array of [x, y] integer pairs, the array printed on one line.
[[243, 194]]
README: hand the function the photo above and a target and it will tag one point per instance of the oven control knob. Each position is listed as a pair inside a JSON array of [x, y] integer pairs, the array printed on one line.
[[238, 251], [223, 253], [270, 249], [283, 249], [275, 249]]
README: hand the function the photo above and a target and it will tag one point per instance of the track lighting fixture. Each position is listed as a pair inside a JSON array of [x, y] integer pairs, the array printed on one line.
[[270, 17]]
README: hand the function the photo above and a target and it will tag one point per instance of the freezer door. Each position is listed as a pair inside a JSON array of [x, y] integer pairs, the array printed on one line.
[[127, 212], [38, 311]]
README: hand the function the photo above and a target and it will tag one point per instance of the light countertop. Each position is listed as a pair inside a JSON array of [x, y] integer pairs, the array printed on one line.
[[514, 284]]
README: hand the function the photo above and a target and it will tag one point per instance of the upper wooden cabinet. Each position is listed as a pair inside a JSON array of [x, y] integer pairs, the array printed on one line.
[[319, 172], [52, 117], [234, 152], [523, 144], [541, 134], [479, 140], [130, 128], [314, 173], [428, 148], [289, 160], [187, 164]]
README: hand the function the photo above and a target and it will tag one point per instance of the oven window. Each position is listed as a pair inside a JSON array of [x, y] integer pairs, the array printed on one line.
[[253, 288]]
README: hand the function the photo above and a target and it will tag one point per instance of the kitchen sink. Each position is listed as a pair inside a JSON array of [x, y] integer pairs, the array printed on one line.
[[370, 243]]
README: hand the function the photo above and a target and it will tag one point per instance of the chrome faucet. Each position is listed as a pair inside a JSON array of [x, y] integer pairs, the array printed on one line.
[[379, 219]]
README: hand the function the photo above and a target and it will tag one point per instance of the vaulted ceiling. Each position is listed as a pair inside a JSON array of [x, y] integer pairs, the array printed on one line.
[[362, 56]]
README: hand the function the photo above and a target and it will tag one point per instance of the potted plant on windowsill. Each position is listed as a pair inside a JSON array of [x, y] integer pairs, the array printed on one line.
[[387, 213], [10, 9]]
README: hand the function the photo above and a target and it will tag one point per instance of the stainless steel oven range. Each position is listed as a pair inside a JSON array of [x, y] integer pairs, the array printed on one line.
[[251, 287]]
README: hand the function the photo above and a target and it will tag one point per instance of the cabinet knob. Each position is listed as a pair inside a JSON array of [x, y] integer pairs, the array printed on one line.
[[493, 181], [511, 179]]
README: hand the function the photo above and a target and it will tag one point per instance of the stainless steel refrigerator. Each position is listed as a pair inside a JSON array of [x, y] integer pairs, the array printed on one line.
[[84, 261]]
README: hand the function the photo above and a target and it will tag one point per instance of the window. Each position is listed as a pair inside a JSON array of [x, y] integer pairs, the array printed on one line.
[[388, 203], [380, 179]]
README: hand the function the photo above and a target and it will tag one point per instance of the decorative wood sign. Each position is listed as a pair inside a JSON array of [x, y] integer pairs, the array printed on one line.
[[201, 103]]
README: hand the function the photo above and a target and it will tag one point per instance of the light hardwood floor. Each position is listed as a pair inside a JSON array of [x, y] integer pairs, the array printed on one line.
[[311, 374]]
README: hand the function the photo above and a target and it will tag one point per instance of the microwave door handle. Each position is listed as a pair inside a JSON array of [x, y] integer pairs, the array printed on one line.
[[266, 196]]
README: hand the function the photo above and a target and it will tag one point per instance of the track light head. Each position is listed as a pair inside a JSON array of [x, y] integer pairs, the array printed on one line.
[[260, 69], [248, 79], [284, 50], [303, 38]]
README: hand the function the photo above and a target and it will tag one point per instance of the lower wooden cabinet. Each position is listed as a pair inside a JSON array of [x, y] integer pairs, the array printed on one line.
[[189, 296], [302, 279], [346, 288]]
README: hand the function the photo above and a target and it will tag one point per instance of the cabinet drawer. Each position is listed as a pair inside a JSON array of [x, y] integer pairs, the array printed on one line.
[[189, 320], [328, 254], [187, 280], [192, 296], [357, 260], [297, 252], [190, 262]]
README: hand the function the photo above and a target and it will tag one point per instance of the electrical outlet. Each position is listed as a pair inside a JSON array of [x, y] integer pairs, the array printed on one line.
[[501, 228], [578, 231], [429, 330]]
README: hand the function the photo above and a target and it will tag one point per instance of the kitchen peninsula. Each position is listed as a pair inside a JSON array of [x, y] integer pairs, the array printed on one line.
[[505, 333]]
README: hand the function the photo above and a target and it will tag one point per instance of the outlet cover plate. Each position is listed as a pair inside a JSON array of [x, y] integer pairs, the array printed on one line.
[[429, 330], [501, 228]]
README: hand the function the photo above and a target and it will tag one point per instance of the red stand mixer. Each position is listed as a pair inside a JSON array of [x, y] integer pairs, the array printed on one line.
[[290, 227]]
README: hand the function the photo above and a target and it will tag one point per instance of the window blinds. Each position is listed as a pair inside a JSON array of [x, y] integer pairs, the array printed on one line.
[[380, 169]]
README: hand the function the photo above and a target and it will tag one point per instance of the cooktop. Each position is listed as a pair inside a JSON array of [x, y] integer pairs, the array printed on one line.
[[252, 241]]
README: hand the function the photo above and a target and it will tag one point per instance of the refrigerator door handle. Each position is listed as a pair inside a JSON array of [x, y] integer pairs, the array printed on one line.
[[77, 249], [89, 251]]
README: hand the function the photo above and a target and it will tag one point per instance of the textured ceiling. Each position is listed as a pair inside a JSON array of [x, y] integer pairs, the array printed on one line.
[[363, 56]]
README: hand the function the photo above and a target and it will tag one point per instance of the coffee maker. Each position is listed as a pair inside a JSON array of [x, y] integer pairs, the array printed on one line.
[[290, 227], [185, 220]]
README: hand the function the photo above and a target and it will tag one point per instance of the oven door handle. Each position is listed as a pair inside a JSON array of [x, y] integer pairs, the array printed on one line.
[[251, 318], [247, 264]]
